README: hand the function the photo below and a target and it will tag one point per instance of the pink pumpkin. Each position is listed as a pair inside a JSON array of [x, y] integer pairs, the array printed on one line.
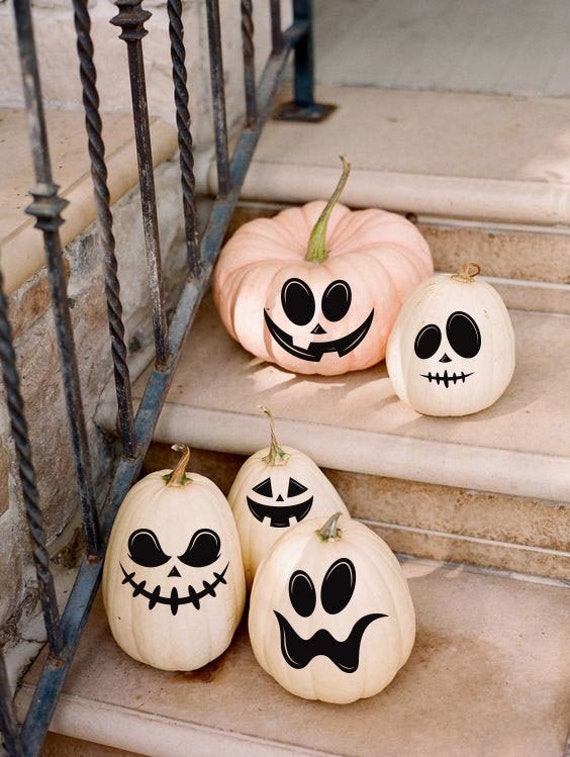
[[317, 289]]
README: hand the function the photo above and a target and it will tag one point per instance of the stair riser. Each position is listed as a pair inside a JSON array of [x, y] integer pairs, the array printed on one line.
[[530, 266], [426, 520]]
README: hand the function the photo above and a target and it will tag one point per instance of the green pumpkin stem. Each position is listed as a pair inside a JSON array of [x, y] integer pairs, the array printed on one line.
[[316, 249], [276, 455], [330, 531], [178, 476], [467, 273]]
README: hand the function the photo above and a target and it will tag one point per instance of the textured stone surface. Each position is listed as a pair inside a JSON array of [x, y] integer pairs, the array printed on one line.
[[488, 675], [38, 359]]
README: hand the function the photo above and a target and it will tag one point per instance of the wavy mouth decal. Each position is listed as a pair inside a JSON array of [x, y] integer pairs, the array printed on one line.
[[445, 378], [299, 652], [279, 516], [174, 601], [316, 350]]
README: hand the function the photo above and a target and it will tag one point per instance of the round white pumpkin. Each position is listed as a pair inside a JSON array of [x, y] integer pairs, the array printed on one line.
[[276, 488], [452, 349], [331, 616], [173, 582]]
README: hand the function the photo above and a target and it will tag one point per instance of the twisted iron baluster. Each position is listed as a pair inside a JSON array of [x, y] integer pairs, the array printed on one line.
[[218, 97], [131, 18], [248, 61], [183, 121], [105, 225], [19, 428], [46, 208]]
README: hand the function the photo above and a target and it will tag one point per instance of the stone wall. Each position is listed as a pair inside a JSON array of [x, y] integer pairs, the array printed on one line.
[[38, 361], [29, 306]]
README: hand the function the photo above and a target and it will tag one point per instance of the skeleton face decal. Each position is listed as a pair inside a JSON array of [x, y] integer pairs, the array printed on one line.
[[463, 343], [279, 509], [175, 587], [336, 592], [315, 325]]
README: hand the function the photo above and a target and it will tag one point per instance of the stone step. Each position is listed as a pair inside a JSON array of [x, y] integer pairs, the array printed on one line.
[[488, 675], [490, 489]]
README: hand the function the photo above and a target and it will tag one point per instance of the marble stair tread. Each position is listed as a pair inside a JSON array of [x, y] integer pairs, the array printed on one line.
[[488, 675], [449, 154], [355, 422]]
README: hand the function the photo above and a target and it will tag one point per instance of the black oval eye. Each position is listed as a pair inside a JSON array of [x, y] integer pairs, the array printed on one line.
[[295, 488], [144, 549], [463, 334], [336, 300], [302, 593], [338, 586], [427, 341], [298, 301], [264, 488], [204, 549]]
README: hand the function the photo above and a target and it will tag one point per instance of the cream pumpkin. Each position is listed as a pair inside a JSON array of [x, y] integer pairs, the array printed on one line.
[[317, 289], [331, 616], [173, 582], [452, 349], [276, 488]]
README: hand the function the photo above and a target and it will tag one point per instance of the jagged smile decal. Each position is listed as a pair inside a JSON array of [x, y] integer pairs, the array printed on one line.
[[299, 652], [445, 378], [279, 517], [174, 600], [316, 350], [300, 307]]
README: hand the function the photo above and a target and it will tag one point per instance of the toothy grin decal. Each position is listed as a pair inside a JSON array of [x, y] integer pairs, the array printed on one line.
[[316, 350], [174, 601], [445, 378], [279, 516]]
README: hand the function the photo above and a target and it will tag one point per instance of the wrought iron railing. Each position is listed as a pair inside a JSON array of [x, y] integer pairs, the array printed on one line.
[[63, 629]]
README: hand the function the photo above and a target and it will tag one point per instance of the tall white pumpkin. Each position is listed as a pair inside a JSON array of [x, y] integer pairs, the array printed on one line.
[[452, 349], [276, 488], [173, 582]]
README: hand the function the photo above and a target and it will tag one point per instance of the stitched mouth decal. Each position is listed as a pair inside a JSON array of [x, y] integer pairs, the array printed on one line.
[[299, 652], [279, 516], [173, 600], [445, 378], [316, 350]]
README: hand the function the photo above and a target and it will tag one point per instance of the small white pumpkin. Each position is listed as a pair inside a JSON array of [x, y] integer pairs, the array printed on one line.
[[331, 616], [173, 582], [452, 349], [274, 489]]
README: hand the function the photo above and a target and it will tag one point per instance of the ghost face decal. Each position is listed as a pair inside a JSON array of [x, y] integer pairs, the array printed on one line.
[[447, 358], [336, 592], [277, 505], [164, 579], [311, 330]]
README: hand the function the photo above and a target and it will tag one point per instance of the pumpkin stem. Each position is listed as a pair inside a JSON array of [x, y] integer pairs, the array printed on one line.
[[330, 531], [178, 476], [276, 455], [316, 249], [467, 273]]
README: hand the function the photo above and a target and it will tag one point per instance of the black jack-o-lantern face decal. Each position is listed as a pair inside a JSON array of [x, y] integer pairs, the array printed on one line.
[[298, 302], [336, 592], [145, 550], [464, 339], [297, 506]]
